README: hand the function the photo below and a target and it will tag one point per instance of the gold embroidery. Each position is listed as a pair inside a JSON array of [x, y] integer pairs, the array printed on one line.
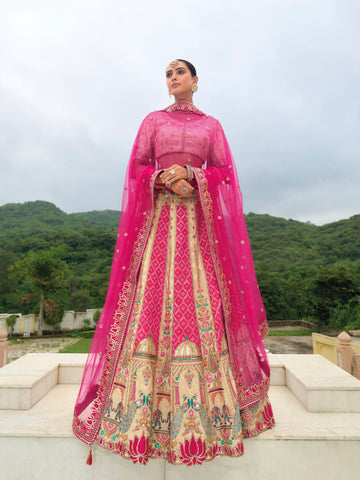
[[163, 407]]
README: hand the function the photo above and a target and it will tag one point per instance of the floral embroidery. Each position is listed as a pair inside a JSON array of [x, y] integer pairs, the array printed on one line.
[[179, 402], [183, 107]]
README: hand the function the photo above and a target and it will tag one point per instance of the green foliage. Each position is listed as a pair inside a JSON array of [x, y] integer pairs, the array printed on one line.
[[44, 268], [293, 333], [79, 301], [334, 287], [53, 313], [7, 284], [24, 220], [47, 272], [96, 316], [82, 346], [10, 321], [303, 270], [346, 316], [86, 322]]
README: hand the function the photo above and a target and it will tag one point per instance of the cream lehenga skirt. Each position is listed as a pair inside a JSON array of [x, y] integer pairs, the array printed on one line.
[[173, 394]]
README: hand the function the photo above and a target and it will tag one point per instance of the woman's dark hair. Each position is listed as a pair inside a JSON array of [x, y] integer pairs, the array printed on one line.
[[190, 66]]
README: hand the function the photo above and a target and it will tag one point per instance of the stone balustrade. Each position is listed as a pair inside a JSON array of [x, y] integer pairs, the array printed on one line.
[[340, 351]]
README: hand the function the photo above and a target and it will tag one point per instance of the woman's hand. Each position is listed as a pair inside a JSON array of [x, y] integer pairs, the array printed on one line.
[[172, 174], [158, 181], [182, 187]]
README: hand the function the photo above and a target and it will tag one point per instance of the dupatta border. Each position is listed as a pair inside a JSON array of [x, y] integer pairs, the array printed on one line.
[[246, 396], [87, 431]]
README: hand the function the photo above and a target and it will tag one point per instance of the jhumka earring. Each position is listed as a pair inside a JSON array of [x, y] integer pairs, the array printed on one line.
[[194, 87]]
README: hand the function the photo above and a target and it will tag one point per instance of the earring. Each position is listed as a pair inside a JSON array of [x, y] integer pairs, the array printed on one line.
[[194, 87]]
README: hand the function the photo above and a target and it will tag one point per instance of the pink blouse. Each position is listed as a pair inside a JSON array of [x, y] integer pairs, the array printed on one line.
[[178, 138]]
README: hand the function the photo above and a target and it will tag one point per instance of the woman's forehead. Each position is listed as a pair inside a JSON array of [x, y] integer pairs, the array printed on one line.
[[175, 64]]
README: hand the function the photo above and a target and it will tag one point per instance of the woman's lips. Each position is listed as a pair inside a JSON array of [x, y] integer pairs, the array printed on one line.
[[175, 84]]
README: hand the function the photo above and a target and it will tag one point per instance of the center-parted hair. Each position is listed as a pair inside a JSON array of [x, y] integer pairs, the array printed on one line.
[[188, 64]]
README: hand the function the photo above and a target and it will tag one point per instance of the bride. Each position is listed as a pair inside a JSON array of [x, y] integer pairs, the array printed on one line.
[[177, 368]]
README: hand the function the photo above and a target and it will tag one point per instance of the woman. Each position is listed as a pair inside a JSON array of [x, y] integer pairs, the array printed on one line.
[[177, 368]]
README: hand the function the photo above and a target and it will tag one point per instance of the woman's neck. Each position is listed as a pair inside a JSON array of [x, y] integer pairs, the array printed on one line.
[[182, 100]]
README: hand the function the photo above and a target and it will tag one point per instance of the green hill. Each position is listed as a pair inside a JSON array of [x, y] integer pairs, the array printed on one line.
[[292, 259], [22, 220]]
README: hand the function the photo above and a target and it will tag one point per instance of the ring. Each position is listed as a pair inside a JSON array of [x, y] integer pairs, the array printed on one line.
[[184, 190], [172, 171]]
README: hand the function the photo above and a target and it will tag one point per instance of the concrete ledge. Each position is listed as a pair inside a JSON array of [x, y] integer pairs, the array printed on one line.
[[277, 370], [26, 380], [300, 445], [320, 385], [38, 443]]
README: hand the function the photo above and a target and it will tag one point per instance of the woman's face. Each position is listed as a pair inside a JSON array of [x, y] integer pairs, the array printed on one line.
[[179, 80]]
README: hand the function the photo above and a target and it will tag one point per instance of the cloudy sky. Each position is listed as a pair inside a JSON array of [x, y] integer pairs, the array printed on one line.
[[282, 76]]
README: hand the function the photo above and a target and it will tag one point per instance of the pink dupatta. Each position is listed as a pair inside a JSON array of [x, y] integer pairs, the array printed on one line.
[[221, 201]]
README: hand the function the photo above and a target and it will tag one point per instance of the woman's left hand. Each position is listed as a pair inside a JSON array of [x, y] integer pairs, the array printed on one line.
[[172, 174]]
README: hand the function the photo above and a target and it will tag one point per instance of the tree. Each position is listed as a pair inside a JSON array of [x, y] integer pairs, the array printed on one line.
[[10, 322], [7, 258], [79, 301], [273, 292], [347, 317], [53, 313], [47, 271], [334, 286]]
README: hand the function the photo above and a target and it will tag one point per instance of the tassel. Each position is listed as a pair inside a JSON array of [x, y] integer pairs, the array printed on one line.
[[89, 459]]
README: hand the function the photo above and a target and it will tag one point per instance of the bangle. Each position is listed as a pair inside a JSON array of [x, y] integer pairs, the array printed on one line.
[[190, 172]]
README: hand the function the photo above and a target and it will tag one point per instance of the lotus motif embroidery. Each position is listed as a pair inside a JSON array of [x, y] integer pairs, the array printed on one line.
[[139, 450], [193, 451]]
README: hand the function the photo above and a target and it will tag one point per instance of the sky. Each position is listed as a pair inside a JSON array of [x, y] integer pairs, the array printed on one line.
[[282, 76]]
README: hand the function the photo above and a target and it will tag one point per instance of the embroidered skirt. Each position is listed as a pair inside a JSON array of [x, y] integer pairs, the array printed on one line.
[[173, 394]]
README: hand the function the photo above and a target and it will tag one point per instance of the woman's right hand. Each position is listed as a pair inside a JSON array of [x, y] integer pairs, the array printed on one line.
[[182, 187]]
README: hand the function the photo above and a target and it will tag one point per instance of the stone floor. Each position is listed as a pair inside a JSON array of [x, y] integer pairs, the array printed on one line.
[[294, 343], [289, 344]]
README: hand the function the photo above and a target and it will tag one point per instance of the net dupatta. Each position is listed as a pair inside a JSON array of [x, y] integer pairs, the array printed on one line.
[[243, 309], [244, 316], [134, 228]]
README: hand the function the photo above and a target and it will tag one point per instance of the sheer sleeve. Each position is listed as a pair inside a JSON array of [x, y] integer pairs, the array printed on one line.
[[142, 161], [218, 146], [143, 149], [221, 167]]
